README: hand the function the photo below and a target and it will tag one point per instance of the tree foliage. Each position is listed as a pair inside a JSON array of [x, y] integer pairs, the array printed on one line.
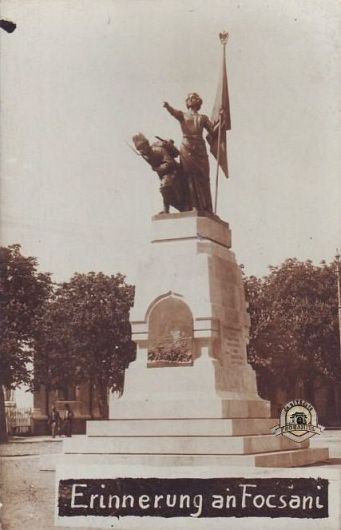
[[294, 327], [85, 334], [23, 292]]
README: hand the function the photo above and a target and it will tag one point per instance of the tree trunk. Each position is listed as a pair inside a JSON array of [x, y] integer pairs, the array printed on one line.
[[103, 402], [309, 391], [331, 413], [47, 400], [3, 430], [91, 399]]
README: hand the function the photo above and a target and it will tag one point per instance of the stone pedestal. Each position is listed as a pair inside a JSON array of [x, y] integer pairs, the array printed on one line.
[[190, 407], [190, 291]]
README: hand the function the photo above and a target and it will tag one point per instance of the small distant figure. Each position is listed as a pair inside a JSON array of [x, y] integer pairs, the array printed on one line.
[[161, 157], [54, 422], [67, 423]]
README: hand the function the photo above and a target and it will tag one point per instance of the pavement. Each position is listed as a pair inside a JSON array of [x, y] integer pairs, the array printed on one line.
[[27, 494], [30, 445], [26, 445], [332, 440]]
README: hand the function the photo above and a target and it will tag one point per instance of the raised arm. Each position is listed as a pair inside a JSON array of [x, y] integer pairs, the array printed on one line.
[[178, 114]]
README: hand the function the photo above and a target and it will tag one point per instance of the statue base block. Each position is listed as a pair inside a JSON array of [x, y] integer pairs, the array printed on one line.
[[184, 392]]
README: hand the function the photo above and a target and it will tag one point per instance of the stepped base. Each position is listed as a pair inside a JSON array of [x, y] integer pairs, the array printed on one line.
[[180, 445], [277, 459], [189, 442], [181, 427]]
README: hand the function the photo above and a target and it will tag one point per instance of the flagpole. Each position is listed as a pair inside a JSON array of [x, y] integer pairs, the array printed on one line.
[[337, 258], [223, 39], [217, 171]]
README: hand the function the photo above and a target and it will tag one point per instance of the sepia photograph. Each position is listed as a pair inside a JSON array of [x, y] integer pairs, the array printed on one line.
[[170, 264]]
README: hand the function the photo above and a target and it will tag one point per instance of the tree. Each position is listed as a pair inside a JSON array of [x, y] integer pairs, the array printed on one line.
[[85, 335], [294, 328], [23, 291]]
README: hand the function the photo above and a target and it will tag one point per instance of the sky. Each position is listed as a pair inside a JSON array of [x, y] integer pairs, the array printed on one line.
[[79, 78]]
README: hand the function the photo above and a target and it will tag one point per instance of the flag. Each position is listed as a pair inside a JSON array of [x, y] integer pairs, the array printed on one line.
[[221, 109]]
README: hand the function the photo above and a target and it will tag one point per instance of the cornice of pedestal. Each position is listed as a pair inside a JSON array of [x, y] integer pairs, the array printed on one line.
[[193, 225]]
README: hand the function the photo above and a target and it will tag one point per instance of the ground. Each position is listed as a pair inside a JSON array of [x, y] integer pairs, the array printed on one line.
[[27, 494]]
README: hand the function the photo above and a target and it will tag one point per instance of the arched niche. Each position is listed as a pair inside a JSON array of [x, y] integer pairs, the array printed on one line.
[[170, 333]]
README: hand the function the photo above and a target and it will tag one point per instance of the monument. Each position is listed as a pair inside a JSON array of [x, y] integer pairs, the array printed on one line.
[[190, 424]]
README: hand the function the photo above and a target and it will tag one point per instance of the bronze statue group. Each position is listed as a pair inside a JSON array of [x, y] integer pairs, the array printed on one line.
[[185, 185]]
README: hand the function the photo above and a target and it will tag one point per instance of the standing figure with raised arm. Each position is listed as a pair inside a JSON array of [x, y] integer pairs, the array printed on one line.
[[193, 154]]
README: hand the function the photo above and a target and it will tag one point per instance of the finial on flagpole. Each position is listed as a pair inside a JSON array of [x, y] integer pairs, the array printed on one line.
[[223, 36]]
